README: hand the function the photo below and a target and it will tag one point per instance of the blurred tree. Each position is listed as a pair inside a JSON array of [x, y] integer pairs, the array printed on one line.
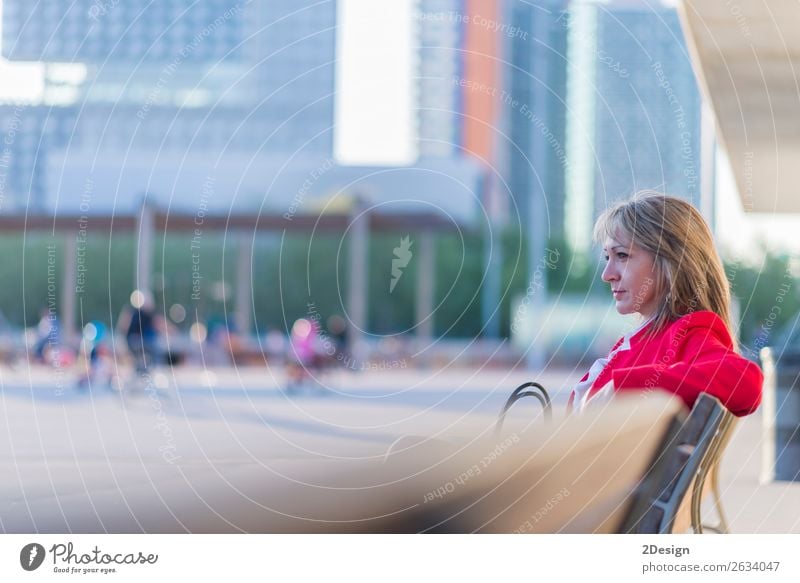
[[566, 272], [297, 276], [290, 271], [459, 277], [32, 269], [391, 309], [768, 298]]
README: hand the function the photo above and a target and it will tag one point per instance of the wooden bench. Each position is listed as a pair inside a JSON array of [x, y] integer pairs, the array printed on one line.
[[671, 495], [611, 469], [576, 475], [665, 494]]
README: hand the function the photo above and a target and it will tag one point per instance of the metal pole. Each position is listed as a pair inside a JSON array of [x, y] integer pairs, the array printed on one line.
[[144, 249], [426, 282], [357, 293], [492, 262], [244, 283], [707, 165], [537, 207], [68, 279]]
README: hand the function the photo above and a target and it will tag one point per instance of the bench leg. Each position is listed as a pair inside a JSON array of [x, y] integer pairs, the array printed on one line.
[[722, 527], [697, 498]]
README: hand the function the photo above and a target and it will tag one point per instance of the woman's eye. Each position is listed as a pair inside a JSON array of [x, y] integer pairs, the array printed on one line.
[[605, 257], [622, 255]]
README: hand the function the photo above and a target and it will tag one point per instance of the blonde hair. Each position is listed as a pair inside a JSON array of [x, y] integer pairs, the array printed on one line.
[[688, 272]]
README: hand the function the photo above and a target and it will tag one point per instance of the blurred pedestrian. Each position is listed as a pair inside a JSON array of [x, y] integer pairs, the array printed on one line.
[[140, 326], [99, 370], [48, 338], [302, 359]]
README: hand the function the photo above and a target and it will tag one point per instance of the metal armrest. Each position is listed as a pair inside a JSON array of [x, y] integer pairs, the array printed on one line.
[[529, 389]]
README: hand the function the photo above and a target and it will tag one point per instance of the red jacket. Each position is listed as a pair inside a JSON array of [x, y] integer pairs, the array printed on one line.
[[692, 355]]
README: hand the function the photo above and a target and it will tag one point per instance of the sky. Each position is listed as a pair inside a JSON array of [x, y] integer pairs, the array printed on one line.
[[374, 114]]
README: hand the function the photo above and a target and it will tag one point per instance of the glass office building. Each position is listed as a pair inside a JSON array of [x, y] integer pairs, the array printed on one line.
[[185, 79]]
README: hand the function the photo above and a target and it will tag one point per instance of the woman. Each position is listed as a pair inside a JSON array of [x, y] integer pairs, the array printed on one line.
[[661, 263]]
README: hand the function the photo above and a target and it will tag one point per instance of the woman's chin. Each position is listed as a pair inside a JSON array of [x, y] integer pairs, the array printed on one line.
[[624, 310]]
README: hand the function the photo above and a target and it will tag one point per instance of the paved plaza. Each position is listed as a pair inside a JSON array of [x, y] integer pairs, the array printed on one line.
[[210, 442]]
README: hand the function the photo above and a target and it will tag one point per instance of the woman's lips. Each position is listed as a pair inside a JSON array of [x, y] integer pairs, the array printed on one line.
[[618, 293]]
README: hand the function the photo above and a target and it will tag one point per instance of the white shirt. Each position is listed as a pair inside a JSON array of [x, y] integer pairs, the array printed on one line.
[[581, 390]]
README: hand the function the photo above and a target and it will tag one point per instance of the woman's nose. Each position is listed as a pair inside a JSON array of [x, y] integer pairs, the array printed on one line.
[[610, 272]]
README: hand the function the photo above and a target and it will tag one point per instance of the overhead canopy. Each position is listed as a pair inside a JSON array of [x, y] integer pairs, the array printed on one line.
[[747, 58]]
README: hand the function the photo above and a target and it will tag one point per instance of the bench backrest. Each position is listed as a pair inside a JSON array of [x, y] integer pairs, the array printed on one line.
[[693, 448], [578, 475]]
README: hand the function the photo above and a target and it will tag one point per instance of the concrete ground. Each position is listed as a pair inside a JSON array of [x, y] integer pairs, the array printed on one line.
[[98, 460]]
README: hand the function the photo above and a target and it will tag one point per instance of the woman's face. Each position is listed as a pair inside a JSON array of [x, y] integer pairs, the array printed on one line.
[[631, 272]]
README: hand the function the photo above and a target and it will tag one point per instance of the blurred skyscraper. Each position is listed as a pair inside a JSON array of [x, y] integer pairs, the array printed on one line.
[[536, 85], [461, 54], [581, 104], [634, 109], [197, 84], [648, 120], [460, 61], [441, 55], [492, 84]]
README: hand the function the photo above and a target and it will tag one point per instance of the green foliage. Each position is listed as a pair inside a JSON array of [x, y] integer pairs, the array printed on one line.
[[391, 311], [109, 277], [24, 276], [574, 273], [459, 277], [290, 271], [178, 256], [768, 298], [565, 272], [514, 274]]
